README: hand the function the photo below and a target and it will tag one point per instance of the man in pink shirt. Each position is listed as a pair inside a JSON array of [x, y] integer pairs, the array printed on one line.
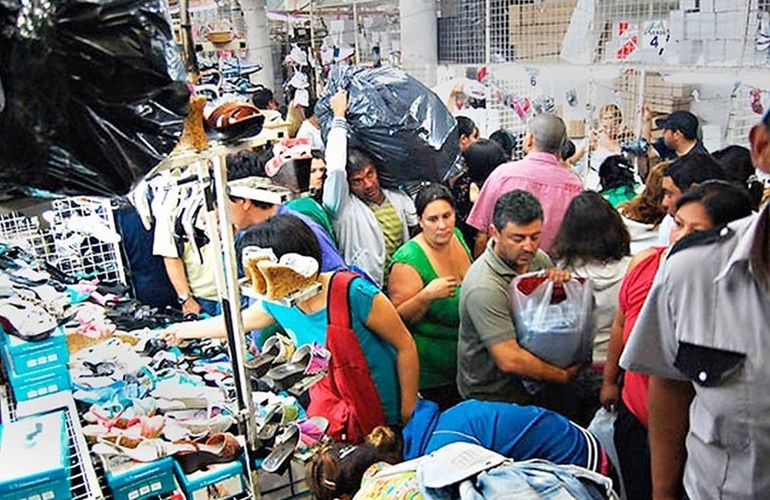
[[539, 173]]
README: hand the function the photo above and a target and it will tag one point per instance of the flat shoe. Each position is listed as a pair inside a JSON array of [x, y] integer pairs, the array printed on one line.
[[219, 448], [278, 459]]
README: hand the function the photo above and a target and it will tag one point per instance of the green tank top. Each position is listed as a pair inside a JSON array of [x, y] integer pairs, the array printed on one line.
[[436, 333]]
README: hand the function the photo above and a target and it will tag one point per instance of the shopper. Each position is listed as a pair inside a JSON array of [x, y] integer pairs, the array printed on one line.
[[389, 348], [424, 285], [539, 172], [371, 222]]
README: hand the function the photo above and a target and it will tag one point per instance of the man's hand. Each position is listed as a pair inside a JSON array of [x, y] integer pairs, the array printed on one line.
[[441, 288], [609, 395], [339, 104], [191, 306], [573, 370], [558, 276]]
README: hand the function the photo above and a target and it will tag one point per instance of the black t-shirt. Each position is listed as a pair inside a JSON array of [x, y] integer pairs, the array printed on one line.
[[666, 153]]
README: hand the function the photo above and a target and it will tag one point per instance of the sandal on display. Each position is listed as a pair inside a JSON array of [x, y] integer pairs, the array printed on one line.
[[219, 448], [312, 430], [285, 444], [277, 349], [278, 417], [310, 359], [147, 450], [25, 320]]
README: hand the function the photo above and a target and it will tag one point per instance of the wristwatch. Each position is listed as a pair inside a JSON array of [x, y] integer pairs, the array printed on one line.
[[184, 298]]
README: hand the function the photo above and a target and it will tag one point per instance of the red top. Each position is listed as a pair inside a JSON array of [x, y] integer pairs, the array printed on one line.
[[633, 292]]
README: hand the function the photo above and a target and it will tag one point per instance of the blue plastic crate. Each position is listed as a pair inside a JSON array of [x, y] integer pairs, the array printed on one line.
[[36, 460]]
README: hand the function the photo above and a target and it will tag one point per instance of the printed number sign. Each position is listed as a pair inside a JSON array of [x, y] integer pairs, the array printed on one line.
[[655, 36]]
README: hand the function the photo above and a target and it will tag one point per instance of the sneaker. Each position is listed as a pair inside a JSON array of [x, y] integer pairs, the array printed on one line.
[[235, 65]]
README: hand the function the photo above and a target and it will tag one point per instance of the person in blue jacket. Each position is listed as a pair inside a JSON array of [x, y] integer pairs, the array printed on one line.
[[514, 431]]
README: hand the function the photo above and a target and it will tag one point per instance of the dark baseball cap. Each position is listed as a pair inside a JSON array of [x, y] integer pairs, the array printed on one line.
[[683, 121]]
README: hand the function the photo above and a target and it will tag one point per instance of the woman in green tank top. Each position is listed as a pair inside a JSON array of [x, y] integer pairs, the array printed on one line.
[[424, 285]]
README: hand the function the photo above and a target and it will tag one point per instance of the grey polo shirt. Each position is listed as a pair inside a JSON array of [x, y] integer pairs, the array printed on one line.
[[486, 319], [707, 319]]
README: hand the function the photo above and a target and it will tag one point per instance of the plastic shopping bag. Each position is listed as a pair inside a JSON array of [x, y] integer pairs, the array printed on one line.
[[554, 322]]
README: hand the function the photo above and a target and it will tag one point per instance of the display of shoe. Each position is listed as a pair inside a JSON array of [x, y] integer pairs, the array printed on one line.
[[310, 359], [285, 444], [26, 321], [277, 349], [219, 448]]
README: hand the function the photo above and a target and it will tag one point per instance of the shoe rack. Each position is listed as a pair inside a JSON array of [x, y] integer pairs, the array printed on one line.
[[218, 216]]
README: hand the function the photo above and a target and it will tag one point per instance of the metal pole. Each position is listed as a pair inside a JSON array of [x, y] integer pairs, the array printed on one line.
[[355, 22], [188, 46], [221, 235]]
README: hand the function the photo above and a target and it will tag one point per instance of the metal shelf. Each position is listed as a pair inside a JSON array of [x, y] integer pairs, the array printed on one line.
[[83, 478]]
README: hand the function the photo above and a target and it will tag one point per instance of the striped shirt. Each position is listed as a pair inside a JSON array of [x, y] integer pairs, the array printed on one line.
[[392, 230]]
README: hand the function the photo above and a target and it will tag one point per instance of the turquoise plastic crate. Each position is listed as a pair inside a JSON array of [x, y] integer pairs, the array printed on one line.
[[130, 480], [36, 460], [30, 357], [226, 480]]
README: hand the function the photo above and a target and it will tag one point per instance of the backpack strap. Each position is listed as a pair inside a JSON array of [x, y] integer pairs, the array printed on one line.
[[338, 311]]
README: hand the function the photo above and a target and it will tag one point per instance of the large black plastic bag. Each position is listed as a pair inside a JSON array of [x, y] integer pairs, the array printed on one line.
[[94, 95], [398, 122]]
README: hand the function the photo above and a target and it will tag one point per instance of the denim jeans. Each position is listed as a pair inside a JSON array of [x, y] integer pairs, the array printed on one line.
[[532, 479], [210, 307]]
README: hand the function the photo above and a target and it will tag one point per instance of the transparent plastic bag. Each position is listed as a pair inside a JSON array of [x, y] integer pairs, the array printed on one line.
[[554, 322]]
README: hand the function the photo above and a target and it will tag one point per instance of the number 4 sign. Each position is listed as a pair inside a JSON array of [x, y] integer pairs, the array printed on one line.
[[655, 36]]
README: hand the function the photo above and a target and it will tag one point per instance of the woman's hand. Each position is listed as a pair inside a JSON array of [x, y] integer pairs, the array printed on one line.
[[171, 336], [441, 288]]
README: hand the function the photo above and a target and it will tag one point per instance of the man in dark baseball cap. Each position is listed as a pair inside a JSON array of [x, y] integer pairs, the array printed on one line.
[[680, 136]]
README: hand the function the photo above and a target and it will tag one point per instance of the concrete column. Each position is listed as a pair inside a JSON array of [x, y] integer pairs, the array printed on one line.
[[258, 40], [419, 39]]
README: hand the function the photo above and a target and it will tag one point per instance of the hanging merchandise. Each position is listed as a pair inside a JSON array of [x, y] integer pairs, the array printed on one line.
[[398, 122], [572, 98], [95, 95], [756, 101], [543, 104], [520, 104]]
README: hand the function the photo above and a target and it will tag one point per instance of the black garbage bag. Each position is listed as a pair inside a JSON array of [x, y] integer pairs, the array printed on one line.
[[398, 122], [93, 95]]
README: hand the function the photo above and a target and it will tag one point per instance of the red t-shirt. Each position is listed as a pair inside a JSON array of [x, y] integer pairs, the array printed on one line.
[[633, 292]]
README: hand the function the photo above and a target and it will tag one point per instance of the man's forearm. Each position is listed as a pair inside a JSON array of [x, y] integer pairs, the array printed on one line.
[[669, 405], [177, 275], [481, 244]]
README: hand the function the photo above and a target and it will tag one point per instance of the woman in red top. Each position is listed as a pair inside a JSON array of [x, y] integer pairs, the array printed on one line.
[[709, 205]]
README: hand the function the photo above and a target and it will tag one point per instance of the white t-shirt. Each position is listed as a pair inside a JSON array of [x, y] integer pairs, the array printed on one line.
[[306, 129]]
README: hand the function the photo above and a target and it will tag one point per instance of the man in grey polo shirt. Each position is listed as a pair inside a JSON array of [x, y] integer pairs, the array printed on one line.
[[490, 360], [704, 336]]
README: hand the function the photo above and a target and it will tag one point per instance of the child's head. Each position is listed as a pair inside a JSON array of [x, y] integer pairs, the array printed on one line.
[[336, 471]]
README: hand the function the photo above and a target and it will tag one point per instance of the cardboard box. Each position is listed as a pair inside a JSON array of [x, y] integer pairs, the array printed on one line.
[[576, 128], [35, 455], [129, 480], [28, 357], [35, 384], [223, 480]]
